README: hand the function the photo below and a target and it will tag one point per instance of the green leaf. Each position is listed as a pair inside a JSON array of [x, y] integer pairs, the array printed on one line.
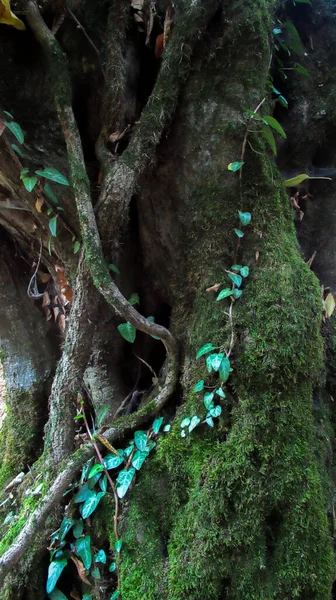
[[128, 451], [272, 122], [87, 468], [8, 114], [183, 433], [224, 370], [236, 267], [269, 138], [83, 550], [167, 428], [56, 594], [128, 331], [220, 393], [213, 361], [152, 320], [95, 573], [199, 386], [53, 175], [293, 38], [235, 166], [84, 494], [185, 422], [282, 100], [65, 527], [93, 480], [124, 480], [91, 504], [244, 271], [115, 595], [157, 425], [78, 527], [295, 181], [101, 415], [112, 567], [98, 468], [302, 70], [204, 350], [50, 193], [210, 421], [17, 150], [224, 294], [112, 461], [118, 545], [134, 299], [53, 226], [239, 233], [100, 557], [103, 484], [140, 439], [236, 293], [54, 572], [193, 423], [139, 459], [114, 268], [28, 182], [244, 217], [16, 130], [76, 246], [237, 279], [87, 597], [208, 400], [215, 412], [302, 2]]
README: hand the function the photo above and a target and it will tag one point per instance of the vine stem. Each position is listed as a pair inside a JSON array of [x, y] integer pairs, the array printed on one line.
[[242, 156], [116, 500]]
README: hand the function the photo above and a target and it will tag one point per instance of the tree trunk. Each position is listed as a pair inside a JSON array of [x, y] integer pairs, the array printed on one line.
[[241, 506]]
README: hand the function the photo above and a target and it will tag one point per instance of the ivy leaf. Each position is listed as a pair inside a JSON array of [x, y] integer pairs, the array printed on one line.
[[95, 573], [204, 350], [112, 567], [101, 415], [114, 268], [329, 305], [210, 421], [28, 182], [134, 299], [53, 226], [272, 122], [244, 217], [17, 150], [76, 246], [98, 468], [16, 130], [224, 294], [78, 527], [183, 433], [199, 386], [112, 461], [91, 504], [65, 527], [269, 138], [167, 428], [220, 393], [213, 361], [236, 293], [185, 422], [47, 190], [236, 267], [237, 279], [294, 40], [139, 459], [282, 100], [193, 423], [140, 439], [128, 331], [84, 494], [93, 480], [103, 484], [115, 595], [244, 271], [239, 233], [100, 557], [157, 425], [53, 175], [56, 594], [128, 451], [208, 400], [118, 545], [83, 550], [124, 480], [215, 412], [235, 166], [224, 370], [54, 572]]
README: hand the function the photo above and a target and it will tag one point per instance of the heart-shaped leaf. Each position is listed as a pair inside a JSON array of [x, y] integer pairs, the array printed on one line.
[[193, 423], [128, 331], [244, 271], [139, 459], [157, 425], [124, 480], [100, 557], [208, 400], [235, 166], [91, 504], [199, 386], [244, 217], [236, 293], [83, 550], [140, 439], [237, 279], [224, 294], [210, 421], [98, 468], [220, 393], [239, 233], [185, 422], [204, 350], [224, 370], [118, 545], [84, 494], [112, 461], [54, 572]]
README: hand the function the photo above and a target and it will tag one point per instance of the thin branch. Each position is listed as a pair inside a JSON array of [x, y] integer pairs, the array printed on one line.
[[78, 23]]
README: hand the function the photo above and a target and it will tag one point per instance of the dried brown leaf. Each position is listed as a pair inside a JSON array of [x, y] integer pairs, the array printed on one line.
[[80, 569], [106, 443], [213, 288], [62, 322], [257, 254], [44, 276], [46, 300], [2, 127], [39, 203], [56, 311]]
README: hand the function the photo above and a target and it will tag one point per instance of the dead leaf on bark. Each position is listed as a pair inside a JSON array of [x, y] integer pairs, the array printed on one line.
[[80, 569], [329, 305], [43, 276], [62, 322], [46, 300], [56, 311], [213, 288], [107, 444], [2, 127], [39, 203]]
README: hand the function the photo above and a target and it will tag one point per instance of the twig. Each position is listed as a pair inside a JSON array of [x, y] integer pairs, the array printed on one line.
[[35, 294], [88, 38]]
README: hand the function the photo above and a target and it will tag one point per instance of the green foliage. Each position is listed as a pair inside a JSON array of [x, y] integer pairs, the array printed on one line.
[[53, 175], [134, 299], [235, 166], [114, 268], [128, 331], [53, 226], [16, 130], [56, 594], [54, 572], [28, 182]]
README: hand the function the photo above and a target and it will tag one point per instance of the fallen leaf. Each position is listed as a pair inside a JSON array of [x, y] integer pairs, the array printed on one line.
[[213, 288], [46, 299], [257, 254], [8, 18], [43, 276], [329, 305], [106, 443], [80, 569], [56, 311], [62, 322], [39, 203]]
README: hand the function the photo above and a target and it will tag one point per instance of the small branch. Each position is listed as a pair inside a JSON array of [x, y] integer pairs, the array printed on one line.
[[80, 26]]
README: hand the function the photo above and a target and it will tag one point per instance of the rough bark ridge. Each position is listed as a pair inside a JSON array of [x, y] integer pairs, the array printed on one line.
[[240, 511]]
